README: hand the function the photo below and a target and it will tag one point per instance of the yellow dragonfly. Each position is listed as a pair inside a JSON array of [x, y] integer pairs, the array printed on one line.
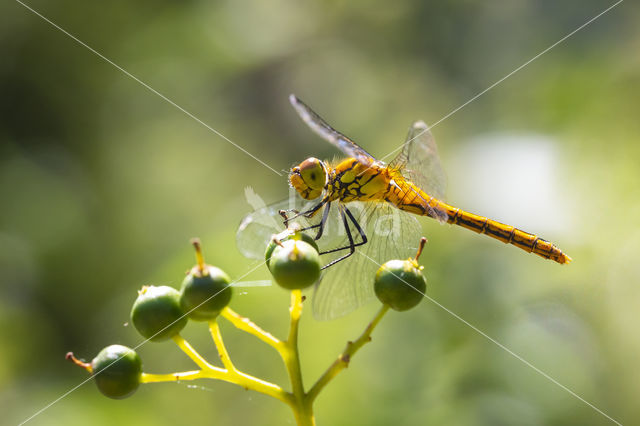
[[374, 219]]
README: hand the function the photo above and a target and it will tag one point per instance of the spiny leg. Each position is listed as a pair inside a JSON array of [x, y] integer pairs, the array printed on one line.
[[285, 217], [321, 225], [358, 228], [308, 214], [352, 246], [323, 222]]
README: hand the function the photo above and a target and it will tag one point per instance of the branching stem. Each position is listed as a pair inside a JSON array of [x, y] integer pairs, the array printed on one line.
[[301, 402], [248, 326], [228, 374], [344, 358], [222, 350]]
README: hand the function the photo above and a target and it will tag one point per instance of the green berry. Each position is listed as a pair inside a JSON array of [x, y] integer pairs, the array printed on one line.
[[117, 371], [157, 314], [288, 234], [205, 292], [400, 284], [295, 264]]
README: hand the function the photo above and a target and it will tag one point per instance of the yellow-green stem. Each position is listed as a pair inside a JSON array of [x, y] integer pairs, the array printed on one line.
[[174, 377], [199, 255], [236, 377], [345, 357], [292, 360], [300, 402], [191, 352], [288, 351], [246, 325], [303, 409], [231, 375], [222, 350]]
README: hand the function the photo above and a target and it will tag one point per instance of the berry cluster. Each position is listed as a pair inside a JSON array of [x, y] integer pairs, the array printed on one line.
[[161, 312]]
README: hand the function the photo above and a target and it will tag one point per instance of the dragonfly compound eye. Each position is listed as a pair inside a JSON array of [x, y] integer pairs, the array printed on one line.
[[309, 178]]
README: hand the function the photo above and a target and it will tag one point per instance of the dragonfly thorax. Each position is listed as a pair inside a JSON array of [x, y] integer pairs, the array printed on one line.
[[309, 178]]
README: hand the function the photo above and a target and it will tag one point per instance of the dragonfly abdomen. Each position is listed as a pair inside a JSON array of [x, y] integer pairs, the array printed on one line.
[[408, 197], [507, 234]]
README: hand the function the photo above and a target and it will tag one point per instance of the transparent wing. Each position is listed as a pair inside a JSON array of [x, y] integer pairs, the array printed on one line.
[[328, 133], [392, 234], [419, 161], [434, 209], [257, 228]]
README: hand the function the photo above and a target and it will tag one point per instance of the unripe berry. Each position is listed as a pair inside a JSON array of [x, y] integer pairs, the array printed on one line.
[[400, 283], [295, 265], [288, 234], [205, 293], [117, 371], [157, 314]]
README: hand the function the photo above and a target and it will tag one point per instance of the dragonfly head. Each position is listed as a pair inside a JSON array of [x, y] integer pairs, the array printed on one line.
[[309, 178]]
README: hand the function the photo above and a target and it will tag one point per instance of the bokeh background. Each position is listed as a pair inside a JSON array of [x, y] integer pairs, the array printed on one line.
[[103, 183]]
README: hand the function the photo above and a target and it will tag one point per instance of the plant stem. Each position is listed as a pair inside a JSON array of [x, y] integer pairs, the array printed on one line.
[[222, 350], [301, 402], [191, 352], [302, 410], [86, 365], [236, 377], [246, 325], [228, 374], [292, 360], [173, 377], [199, 255], [345, 357]]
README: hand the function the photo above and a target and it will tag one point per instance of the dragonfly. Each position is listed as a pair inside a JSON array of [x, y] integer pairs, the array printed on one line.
[[364, 211]]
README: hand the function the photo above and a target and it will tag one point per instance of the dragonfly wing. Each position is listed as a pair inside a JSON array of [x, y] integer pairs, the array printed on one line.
[[328, 133], [419, 161], [435, 210], [257, 228], [392, 234]]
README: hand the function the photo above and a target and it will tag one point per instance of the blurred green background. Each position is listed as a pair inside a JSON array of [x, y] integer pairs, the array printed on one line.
[[102, 183]]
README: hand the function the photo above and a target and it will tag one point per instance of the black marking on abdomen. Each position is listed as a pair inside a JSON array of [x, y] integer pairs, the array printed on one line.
[[454, 218], [471, 224], [497, 232], [418, 206]]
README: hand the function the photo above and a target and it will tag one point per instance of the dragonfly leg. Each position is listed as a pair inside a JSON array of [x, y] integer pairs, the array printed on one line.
[[323, 222], [352, 245], [313, 210], [308, 214], [321, 225], [286, 218]]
